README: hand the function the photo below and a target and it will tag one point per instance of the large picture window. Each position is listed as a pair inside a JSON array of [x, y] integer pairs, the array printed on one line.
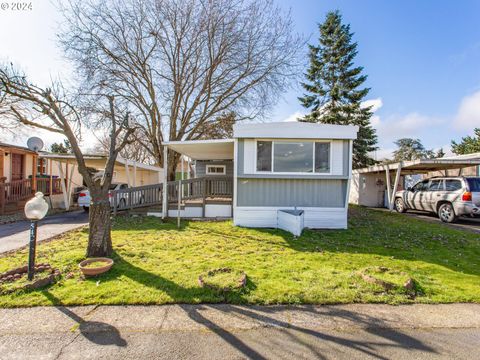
[[293, 157]]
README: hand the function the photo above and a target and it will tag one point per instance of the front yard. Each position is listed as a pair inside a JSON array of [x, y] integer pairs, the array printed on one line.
[[157, 264]]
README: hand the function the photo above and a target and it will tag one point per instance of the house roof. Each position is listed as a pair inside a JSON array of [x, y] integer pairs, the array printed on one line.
[[294, 130], [204, 149], [421, 166], [10, 146], [98, 161]]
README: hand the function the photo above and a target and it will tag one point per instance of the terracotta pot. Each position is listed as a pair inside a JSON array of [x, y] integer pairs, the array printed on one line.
[[92, 271]]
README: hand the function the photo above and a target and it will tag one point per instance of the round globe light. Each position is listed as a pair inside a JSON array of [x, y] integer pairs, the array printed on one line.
[[36, 208]]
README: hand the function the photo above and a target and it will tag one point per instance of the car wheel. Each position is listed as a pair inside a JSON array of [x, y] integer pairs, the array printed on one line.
[[86, 209], [400, 205], [446, 213]]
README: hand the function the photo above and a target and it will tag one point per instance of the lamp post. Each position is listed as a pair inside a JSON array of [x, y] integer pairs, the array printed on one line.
[[35, 209]]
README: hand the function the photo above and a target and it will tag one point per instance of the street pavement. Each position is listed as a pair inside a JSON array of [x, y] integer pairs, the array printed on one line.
[[16, 235], [241, 332]]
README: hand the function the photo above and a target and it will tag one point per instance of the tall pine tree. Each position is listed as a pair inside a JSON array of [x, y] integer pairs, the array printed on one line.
[[334, 87]]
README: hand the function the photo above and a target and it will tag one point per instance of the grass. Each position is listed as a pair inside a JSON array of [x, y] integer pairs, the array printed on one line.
[[157, 264]]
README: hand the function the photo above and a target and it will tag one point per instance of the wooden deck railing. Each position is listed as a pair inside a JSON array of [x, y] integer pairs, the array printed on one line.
[[19, 190]]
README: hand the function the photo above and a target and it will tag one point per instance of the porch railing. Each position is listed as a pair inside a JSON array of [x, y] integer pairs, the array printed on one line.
[[201, 188], [18, 190], [14, 191], [43, 185], [136, 197]]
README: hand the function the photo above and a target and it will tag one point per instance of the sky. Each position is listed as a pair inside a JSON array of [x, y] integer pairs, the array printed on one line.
[[422, 59]]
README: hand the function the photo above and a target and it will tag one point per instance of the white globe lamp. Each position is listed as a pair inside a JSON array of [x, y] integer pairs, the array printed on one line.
[[35, 209]]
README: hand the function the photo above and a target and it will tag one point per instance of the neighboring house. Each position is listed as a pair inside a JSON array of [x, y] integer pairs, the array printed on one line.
[[17, 165], [265, 169], [24, 172]]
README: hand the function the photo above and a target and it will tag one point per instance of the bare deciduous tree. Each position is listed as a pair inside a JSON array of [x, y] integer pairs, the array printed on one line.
[[181, 63], [53, 110], [133, 151]]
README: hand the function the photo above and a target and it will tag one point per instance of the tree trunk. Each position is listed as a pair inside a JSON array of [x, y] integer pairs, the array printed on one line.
[[99, 238]]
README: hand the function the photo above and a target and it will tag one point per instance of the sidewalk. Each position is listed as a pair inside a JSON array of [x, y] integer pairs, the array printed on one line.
[[238, 332], [17, 235]]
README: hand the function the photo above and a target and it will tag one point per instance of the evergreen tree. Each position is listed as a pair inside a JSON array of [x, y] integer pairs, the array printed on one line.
[[334, 92], [59, 148], [412, 149], [468, 145]]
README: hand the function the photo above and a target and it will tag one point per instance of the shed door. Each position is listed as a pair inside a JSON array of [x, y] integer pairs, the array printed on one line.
[[17, 167]]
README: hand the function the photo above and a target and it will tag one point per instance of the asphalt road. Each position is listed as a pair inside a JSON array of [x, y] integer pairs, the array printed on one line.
[[16, 235], [242, 332]]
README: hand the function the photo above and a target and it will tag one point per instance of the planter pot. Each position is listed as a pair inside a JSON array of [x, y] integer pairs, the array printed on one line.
[[92, 271]]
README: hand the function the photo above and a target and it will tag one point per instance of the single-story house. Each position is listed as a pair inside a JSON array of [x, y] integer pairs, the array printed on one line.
[[265, 171]]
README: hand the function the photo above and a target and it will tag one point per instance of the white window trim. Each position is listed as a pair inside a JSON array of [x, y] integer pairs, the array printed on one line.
[[313, 173], [224, 168]]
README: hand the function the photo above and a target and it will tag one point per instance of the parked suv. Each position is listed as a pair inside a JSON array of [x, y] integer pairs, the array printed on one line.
[[448, 197]]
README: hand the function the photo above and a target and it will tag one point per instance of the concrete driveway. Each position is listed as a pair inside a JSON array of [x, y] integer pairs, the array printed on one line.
[[16, 235]]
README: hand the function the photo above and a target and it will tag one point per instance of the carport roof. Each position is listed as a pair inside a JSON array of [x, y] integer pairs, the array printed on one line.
[[98, 161], [204, 149], [421, 166]]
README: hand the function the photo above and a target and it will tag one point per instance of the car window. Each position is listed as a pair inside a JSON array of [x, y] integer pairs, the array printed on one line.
[[112, 187], [453, 185], [421, 186], [474, 184], [435, 185]]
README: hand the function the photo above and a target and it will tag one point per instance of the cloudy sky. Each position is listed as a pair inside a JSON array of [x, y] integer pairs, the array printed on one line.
[[422, 59]]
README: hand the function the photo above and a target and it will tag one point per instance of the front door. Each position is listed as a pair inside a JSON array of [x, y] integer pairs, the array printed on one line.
[[17, 167]]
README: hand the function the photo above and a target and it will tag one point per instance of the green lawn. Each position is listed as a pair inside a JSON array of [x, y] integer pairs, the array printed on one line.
[[157, 264]]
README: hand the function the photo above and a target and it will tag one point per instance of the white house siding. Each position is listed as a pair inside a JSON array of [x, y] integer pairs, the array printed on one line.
[[314, 218]]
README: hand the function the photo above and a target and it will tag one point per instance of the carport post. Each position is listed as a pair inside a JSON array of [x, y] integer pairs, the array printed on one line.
[[62, 184], [165, 182], [395, 186], [387, 174]]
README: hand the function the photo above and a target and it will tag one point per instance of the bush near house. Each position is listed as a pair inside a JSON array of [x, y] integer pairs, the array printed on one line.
[[157, 264]]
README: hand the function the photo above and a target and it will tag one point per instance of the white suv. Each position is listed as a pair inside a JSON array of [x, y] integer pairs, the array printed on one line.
[[448, 197]]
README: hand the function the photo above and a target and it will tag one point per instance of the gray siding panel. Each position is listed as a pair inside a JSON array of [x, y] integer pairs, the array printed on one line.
[[291, 192], [346, 156], [201, 167], [240, 156]]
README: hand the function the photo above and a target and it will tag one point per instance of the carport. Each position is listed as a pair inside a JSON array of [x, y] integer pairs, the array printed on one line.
[[131, 172], [363, 190]]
